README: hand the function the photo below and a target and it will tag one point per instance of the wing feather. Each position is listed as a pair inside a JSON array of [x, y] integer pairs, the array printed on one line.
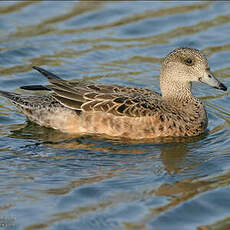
[[72, 104], [118, 100]]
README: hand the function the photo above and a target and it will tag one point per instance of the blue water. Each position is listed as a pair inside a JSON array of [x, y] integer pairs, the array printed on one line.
[[50, 180]]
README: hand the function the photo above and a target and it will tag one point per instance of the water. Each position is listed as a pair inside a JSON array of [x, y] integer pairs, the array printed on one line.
[[51, 180]]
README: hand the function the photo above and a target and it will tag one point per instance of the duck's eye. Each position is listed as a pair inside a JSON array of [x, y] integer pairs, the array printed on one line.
[[189, 61]]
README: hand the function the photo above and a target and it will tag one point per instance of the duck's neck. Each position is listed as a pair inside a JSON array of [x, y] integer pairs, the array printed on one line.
[[176, 91]]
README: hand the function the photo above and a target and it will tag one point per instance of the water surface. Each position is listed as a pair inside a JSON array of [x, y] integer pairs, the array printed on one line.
[[50, 180]]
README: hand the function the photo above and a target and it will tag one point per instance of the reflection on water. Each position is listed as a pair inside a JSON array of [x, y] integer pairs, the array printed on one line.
[[59, 181]]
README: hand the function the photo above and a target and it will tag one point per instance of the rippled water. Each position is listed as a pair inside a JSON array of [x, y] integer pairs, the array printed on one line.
[[50, 180]]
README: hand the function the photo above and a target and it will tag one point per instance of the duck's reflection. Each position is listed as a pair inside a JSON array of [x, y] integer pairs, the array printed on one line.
[[170, 151], [175, 156]]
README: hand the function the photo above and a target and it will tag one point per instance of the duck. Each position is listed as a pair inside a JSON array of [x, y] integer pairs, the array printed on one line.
[[122, 111]]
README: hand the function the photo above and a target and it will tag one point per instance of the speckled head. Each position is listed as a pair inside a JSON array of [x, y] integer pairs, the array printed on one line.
[[189, 57], [185, 65]]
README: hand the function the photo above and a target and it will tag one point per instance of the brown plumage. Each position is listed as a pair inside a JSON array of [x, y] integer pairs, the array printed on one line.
[[122, 111]]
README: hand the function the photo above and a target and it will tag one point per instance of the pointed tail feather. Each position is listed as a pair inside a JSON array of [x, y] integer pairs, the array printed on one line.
[[46, 73], [51, 77]]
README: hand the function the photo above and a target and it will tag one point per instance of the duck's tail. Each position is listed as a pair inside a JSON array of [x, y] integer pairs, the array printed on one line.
[[17, 99], [28, 101], [8, 95]]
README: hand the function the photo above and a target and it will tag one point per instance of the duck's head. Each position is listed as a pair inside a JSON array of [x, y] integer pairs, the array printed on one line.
[[185, 65]]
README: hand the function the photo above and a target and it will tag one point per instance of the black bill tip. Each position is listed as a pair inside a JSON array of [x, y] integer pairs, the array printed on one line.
[[221, 86]]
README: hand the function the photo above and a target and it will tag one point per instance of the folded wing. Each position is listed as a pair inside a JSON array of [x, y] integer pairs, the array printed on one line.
[[118, 100]]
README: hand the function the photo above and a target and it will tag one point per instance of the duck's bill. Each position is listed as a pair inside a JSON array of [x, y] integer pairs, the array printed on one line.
[[211, 80]]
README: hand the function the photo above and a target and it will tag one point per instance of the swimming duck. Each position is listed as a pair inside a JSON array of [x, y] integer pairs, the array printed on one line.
[[122, 111]]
